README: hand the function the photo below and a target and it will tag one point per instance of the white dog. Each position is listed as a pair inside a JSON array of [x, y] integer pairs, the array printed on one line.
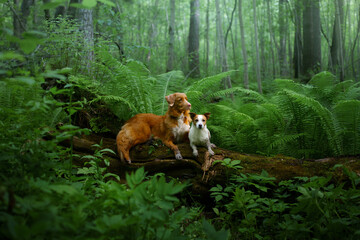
[[199, 134]]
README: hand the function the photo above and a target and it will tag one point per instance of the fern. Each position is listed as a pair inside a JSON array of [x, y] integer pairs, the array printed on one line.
[[324, 115], [250, 94], [208, 82], [348, 115], [166, 84]]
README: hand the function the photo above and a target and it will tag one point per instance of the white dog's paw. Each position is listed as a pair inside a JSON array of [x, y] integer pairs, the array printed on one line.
[[211, 152], [195, 153], [213, 145], [178, 156]]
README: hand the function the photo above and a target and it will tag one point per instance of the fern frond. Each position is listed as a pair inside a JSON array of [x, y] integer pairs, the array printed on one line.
[[248, 93], [326, 120], [289, 84], [323, 80], [283, 140], [114, 99], [233, 114], [348, 115], [164, 85], [208, 82]]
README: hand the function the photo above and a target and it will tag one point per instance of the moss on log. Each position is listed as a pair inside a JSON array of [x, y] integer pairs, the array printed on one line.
[[158, 158]]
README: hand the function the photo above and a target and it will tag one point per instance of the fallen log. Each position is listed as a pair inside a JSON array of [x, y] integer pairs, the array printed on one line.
[[155, 158]]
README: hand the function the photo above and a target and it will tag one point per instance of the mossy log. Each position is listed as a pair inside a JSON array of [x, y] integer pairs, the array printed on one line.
[[200, 170]]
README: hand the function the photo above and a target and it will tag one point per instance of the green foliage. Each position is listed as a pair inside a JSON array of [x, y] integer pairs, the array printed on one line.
[[257, 206], [304, 121], [43, 195]]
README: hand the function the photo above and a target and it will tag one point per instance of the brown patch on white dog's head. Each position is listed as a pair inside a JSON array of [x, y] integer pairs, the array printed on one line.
[[193, 115]]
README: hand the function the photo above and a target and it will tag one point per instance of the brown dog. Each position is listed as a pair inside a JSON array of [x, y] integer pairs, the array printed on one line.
[[173, 127]]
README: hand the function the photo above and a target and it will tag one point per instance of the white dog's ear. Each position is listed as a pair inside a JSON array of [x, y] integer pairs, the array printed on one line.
[[207, 115], [170, 99], [192, 115]]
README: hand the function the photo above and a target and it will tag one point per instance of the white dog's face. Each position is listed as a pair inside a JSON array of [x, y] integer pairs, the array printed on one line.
[[200, 121]]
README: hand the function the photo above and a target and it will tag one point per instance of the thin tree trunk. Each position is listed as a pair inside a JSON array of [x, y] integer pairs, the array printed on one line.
[[207, 39], [60, 12], [152, 30], [73, 12], [243, 47], [223, 55], [194, 38], [230, 24], [171, 53], [297, 41], [258, 75], [47, 11], [87, 28], [282, 40], [355, 74], [229, 30], [272, 39], [337, 50], [17, 27]]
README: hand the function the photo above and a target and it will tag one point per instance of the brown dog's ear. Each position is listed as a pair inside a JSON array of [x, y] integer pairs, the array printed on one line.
[[192, 115], [170, 99], [207, 115]]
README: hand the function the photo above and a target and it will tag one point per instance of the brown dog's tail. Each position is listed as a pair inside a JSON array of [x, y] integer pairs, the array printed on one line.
[[121, 147]]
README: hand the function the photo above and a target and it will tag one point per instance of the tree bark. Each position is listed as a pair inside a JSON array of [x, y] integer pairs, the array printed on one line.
[[207, 39], [258, 75], [20, 15], [73, 12], [336, 49], [171, 53], [243, 47], [194, 38], [273, 43], [222, 48], [87, 28], [152, 30], [201, 170], [60, 12], [297, 40], [355, 73], [282, 40], [311, 39]]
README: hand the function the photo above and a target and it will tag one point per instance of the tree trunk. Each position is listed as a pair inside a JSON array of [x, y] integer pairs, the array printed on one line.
[[282, 40], [17, 27], [194, 38], [201, 171], [336, 49], [73, 12], [60, 12], [355, 73], [222, 48], [207, 39], [171, 53], [20, 16], [297, 40], [311, 39], [46, 11], [243, 47], [258, 75], [87, 28], [152, 30], [273, 43]]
